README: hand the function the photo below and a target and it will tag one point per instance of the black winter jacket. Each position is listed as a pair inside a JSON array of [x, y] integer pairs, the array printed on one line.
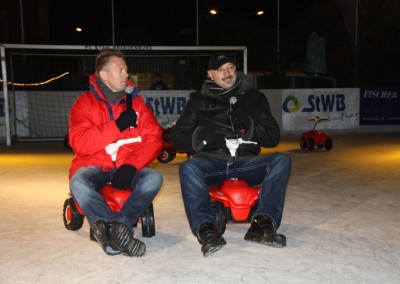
[[207, 109]]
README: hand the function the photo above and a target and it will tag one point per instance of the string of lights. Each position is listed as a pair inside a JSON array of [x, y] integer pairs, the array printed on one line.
[[36, 84]]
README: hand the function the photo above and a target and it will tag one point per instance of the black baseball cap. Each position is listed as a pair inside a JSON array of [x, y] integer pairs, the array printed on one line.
[[219, 59]]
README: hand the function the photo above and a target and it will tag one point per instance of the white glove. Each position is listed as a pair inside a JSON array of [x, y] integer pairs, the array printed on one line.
[[241, 141], [232, 145], [113, 148]]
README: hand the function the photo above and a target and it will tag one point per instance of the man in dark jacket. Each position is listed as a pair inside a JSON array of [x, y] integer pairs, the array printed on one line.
[[227, 109]]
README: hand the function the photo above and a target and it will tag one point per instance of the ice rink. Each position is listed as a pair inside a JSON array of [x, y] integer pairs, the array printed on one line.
[[341, 220]]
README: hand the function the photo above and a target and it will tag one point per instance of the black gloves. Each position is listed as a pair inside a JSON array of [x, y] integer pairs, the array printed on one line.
[[240, 121], [126, 119], [213, 140], [123, 177]]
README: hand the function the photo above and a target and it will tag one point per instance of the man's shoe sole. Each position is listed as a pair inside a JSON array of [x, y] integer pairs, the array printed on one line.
[[213, 249], [122, 239], [99, 233], [276, 240]]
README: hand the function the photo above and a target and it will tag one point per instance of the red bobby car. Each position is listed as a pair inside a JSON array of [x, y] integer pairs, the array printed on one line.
[[316, 138], [115, 198], [167, 152], [73, 215], [234, 201]]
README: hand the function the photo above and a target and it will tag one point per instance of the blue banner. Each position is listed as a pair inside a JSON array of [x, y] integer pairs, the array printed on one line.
[[379, 106], [166, 105]]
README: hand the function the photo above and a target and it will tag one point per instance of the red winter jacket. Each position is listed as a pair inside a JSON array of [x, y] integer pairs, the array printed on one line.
[[92, 127]]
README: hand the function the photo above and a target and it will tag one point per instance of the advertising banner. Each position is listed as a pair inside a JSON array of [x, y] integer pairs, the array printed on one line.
[[166, 105], [379, 106], [341, 106]]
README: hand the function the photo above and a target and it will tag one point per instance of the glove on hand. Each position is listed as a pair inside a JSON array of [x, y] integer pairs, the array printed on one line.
[[126, 119], [240, 120], [123, 177], [213, 140], [232, 145]]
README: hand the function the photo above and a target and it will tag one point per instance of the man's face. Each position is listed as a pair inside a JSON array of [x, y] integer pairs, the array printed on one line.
[[225, 76], [115, 74]]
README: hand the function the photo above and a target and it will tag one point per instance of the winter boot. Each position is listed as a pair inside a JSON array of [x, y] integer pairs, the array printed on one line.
[[262, 231], [100, 232], [122, 239], [210, 238]]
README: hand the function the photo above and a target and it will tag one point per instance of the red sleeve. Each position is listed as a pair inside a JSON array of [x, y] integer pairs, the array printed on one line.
[[141, 154], [90, 127]]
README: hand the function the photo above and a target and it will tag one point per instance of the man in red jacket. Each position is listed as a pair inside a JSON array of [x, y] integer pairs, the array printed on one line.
[[115, 136]]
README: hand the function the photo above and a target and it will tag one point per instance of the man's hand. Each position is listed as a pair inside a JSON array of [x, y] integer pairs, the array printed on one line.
[[212, 140], [126, 119], [123, 177]]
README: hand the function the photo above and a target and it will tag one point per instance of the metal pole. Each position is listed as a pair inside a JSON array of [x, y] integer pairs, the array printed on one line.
[[5, 95], [112, 22], [356, 47], [277, 39], [21, 10], [197, 22]]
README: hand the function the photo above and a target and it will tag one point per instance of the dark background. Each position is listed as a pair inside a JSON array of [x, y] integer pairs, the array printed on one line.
[[371, 60]]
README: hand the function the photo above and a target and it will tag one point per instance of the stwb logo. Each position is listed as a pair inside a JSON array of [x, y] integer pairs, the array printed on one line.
[[316, 103]]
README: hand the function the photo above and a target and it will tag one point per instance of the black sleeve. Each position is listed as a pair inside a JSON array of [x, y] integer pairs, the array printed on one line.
[[182, 132], [266, 130]]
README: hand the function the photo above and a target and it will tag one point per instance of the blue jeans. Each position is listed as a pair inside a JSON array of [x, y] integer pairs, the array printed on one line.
[[86, 183], [198, 174]]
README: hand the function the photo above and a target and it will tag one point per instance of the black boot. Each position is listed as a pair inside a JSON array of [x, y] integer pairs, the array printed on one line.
[[210, 238], [100, 232], [262, 231], [122, 238]]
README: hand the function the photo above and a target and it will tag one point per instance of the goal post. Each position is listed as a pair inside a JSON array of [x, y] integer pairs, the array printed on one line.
[[41, 82]]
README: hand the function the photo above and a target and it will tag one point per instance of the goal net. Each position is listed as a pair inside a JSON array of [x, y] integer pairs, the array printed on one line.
[[41, 82]]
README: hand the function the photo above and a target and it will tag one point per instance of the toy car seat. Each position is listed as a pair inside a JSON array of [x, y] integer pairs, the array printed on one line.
[[73, 215], [234, 201]]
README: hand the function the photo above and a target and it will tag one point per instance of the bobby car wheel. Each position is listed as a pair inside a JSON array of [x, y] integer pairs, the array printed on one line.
[[328, 143], [72, 219], [220, 215], [148, 224], [303, 143], [310, 144], [166, 156]]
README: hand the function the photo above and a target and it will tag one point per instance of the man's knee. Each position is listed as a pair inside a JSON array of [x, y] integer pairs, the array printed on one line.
[[285, 161], [187, 166], [156, 177]]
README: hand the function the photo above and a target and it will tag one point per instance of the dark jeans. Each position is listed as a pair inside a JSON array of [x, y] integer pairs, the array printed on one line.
[[200, 173], [86, 183]]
